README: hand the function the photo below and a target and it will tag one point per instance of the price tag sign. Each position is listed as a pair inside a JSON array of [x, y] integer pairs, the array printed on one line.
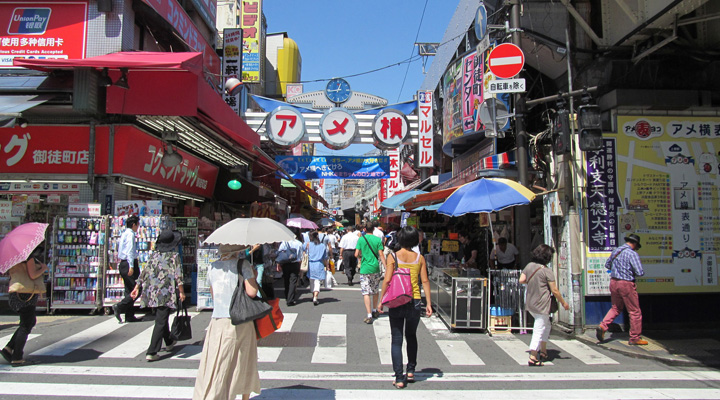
[[451, 246]]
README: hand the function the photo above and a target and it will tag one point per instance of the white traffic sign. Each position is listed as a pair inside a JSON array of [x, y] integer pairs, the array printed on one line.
[[507, 86], [506, 60]]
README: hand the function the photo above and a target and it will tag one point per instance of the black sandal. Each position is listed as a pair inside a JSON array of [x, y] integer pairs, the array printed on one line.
[[410, 377], [534, 362], [543, 356], [400, 384]]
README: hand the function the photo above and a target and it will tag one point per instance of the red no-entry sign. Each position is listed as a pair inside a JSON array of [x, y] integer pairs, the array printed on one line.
[[506, 60]]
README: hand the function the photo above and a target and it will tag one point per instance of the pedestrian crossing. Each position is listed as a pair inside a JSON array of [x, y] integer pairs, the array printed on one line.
[[330, 345]]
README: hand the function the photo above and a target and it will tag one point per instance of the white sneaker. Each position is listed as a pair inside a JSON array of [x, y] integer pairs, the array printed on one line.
[[152, 357], [169, 347]]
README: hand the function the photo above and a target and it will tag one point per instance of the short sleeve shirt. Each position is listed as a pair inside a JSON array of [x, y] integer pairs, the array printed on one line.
[[370, 263], [537, 295]]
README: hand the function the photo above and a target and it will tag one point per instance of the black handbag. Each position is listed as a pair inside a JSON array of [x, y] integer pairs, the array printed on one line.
[[181, 329], [287, 255], [243, 308]]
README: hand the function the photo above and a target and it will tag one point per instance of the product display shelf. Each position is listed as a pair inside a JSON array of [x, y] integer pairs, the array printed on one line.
[[205, 257], [78, 256], [150, 227], [460, 297], [188, 228]]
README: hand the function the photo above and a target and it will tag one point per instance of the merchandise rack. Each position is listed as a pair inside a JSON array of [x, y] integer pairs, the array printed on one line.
[[147, 233], [188, 228], [205, 257], [78, 254]]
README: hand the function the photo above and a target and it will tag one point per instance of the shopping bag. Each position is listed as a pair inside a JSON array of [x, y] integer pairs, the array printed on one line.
[[270, 323], [332, 266], [181, 329], [329, 280]]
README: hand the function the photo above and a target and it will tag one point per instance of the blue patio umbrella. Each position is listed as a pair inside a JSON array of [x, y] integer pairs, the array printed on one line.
[[486, 195], [395, 201]]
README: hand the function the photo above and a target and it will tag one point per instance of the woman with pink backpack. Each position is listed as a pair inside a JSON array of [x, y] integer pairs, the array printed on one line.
[[405, 317]]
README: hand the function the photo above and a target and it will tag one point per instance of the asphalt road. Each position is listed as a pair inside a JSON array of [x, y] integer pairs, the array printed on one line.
[[327, 352]]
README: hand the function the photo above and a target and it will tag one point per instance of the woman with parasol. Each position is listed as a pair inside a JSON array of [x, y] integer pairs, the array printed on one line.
[[19, 252]]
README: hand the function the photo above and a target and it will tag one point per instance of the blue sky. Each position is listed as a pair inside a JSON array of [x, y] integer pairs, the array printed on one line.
[[339, 38]]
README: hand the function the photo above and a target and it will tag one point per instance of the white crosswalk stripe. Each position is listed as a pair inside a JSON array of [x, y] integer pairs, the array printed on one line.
[[7, 338], [80, 339], [331, 345], [583, 352], [138, 344]]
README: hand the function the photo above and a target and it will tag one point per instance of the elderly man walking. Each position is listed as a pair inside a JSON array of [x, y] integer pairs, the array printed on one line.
[[624, 265]]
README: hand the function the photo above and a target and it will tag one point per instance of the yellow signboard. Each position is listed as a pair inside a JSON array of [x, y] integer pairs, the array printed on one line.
[[452, 246], [252, 28]]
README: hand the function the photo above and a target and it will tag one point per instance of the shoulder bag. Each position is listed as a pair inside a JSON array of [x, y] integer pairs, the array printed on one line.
[[181, 329], [286, 255], [305, 262], [244, 308], [399, 290], [371, 249]]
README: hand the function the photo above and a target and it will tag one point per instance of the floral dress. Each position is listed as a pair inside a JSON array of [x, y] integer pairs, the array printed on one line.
[[159, 280]]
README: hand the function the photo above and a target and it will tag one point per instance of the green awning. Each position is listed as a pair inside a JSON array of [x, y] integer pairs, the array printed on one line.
[[286, 183]]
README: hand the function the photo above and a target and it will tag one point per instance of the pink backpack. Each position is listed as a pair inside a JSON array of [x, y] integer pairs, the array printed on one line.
[[399, 290]]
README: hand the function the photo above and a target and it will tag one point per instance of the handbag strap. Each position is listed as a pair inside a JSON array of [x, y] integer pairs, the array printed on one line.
[[370, 247], [534, 272]]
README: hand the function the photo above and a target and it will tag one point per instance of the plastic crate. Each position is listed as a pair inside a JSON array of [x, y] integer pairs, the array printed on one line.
[[501, 311]]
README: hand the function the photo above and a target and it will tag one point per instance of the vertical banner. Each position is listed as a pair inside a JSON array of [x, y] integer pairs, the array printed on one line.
[[468, 106], [251, 24], [602, 198], [425, 128], [232, 59], [383, 190], [394, 183], [478, 88]]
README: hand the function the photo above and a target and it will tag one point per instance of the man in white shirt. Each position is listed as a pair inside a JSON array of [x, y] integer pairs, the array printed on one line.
[[348, 243], [129, 269], [504, 255], [377, 231]]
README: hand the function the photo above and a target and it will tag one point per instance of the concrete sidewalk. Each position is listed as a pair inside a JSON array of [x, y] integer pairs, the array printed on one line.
[[700, 347]]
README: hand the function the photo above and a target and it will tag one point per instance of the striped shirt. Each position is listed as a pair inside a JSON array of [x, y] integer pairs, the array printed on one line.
[[626, 266]]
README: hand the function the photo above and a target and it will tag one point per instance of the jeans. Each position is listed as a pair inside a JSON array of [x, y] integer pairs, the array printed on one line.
[[19, 338], [405, 317], [125, 306], [161, 331], [290, 271], [541, 330]]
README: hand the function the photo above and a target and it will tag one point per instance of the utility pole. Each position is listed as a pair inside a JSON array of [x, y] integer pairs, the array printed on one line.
[[522, 213]]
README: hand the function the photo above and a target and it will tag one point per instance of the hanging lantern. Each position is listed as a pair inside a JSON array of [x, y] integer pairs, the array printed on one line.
[[234, 184]]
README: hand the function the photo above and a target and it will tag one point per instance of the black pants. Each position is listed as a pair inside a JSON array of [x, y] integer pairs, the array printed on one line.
[[125, 306], [291, 272], [161, 331], [404, 318], [349, 263], [27, 322]]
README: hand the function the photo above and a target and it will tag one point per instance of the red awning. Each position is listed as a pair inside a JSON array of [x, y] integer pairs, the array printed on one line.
[[426, 199], [138, 60]]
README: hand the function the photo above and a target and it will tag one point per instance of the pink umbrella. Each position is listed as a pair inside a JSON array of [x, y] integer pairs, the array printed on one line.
[[17, 245], [301, 223]]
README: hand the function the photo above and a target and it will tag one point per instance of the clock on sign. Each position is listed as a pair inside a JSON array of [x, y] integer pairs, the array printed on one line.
[[338, 90]]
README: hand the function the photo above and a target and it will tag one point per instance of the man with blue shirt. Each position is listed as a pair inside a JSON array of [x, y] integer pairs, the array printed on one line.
[[624, 265], [128, 268]]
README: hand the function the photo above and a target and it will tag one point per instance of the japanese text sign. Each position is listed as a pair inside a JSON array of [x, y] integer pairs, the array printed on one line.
[[470, 104], [285, 126], [390, 129], [85, 209], [252, 28], [51, 150], [139, 155], [394, 184], [602, 197], [232, 44], [336, 167], [425, 128], [338, 128], [42, 30], [5, 210]]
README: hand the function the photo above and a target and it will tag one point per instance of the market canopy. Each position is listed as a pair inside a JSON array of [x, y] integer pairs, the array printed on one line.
[[146, 60], [395, 201], [428, 199]]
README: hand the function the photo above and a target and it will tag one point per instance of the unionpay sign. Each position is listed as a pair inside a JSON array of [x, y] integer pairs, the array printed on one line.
[[49, 30]]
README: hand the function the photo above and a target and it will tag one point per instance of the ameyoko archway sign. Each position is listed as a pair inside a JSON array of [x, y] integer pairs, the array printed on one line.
[[506, 60]]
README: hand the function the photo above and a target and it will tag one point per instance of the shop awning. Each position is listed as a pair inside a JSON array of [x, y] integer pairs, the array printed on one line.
[[395, 201], [13, 106], [427, 199], [134, 60]]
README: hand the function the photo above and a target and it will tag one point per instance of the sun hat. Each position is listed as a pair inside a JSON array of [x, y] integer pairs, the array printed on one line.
[[633, 238], [167, 241]]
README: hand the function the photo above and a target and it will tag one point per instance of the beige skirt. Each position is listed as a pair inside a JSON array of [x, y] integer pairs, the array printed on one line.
[[228, 364]]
